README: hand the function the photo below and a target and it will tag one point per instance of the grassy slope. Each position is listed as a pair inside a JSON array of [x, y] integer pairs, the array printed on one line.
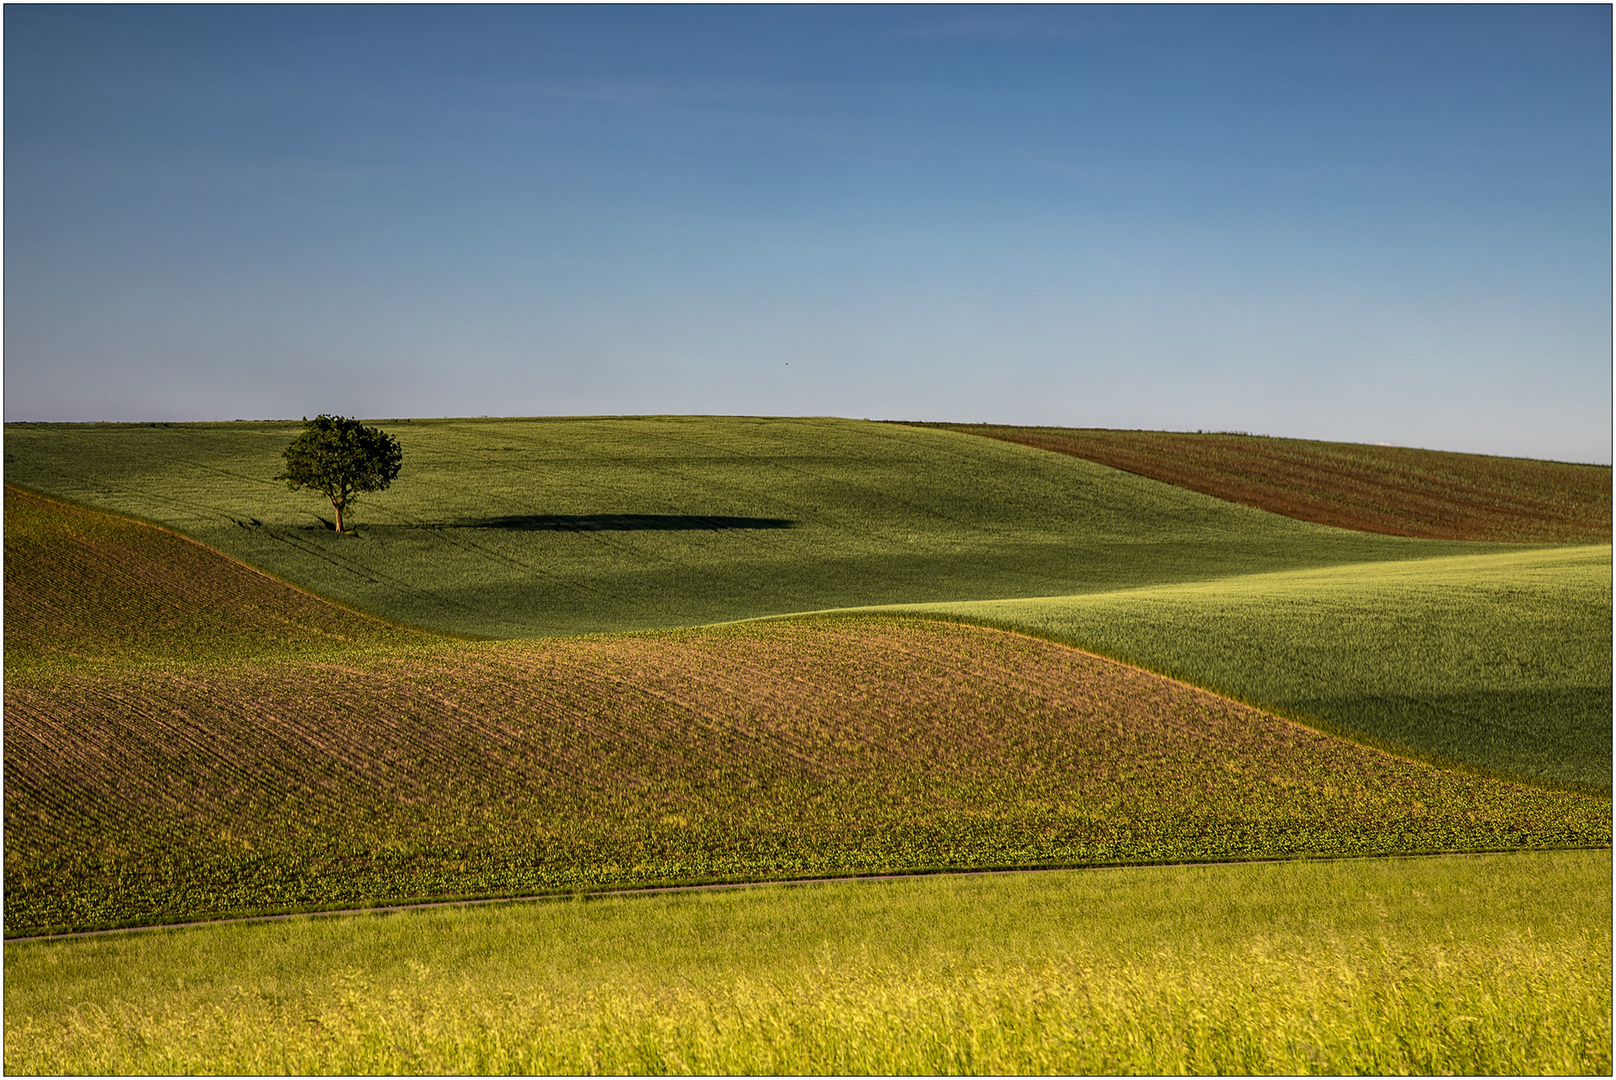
[[1499, 661], [161, 789], [1395, 490], [1489, 965], [528, 527]]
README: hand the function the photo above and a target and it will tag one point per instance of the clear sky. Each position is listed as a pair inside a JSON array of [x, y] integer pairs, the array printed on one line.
[[1363, 223]]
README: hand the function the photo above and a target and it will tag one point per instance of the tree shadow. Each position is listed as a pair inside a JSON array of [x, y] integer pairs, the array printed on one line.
[[620, 522]]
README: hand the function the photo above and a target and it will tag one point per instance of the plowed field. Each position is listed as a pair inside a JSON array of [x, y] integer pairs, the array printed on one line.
[[1398, 491], [82, 585], [824, 746]]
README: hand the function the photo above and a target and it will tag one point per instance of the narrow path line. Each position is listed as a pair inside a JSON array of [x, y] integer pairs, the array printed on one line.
[[649, 890]]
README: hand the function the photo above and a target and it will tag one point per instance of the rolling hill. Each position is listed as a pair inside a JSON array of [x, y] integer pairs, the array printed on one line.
[[287, 767], [526, 528]]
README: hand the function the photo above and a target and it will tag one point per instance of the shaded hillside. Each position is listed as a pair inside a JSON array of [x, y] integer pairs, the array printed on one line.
[[780, 749], [83, 585], [531, 527], [1394, 490]]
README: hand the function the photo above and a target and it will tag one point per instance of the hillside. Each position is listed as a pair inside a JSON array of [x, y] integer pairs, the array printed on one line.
[[524, 528], [783, 749], [1394, 490], [1499, 661], [288, 769], [82, 585]]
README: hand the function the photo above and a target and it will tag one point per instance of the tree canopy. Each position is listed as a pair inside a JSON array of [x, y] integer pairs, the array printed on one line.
[[340, 458]]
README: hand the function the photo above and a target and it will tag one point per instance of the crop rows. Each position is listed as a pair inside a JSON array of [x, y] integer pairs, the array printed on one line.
[[820, 746], [82, 585], [1398, 491]]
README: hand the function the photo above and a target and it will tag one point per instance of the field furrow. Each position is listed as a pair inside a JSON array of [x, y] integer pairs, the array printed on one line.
[[150, 793]]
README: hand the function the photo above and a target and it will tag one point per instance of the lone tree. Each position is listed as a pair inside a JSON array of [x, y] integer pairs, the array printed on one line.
[[339, 458]]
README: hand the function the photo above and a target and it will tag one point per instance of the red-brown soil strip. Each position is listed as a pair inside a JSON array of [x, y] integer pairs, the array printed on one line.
[[1394, 490]]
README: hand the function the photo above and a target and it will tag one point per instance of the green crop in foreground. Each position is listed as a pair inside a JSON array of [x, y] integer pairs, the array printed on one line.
[[1501, 661], [1471, 965], [520, 528]]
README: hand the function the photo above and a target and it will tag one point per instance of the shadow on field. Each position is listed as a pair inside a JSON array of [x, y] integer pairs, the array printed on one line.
[[619, 522]]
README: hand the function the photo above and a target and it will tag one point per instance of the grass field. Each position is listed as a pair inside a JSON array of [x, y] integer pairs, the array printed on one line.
[[1468, 965], [521, 528], [1395, 490]]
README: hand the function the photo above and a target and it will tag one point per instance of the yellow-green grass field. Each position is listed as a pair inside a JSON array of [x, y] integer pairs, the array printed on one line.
[[1495, 964]]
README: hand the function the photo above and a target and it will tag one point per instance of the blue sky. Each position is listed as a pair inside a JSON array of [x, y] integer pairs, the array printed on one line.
[[1363, 223]]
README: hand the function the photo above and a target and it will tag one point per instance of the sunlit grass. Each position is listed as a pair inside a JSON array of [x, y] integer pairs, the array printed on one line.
[[1480, 964]]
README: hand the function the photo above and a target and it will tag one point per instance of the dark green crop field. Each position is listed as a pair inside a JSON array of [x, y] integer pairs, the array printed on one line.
[[521, 528]]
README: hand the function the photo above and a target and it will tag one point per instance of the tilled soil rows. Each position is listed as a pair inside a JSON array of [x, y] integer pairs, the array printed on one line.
[[151, 792]]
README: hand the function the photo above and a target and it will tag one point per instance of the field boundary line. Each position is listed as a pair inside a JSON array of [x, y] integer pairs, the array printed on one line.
[[369, 616], [1303, 720], [651, 890]]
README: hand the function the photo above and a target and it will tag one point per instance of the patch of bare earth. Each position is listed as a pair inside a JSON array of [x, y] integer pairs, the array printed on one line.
[[1397, 491]]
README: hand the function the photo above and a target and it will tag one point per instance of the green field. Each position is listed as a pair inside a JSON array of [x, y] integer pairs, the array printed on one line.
[[1499, 661], [829, 648], [521, 528], [1469, 965], [186, 737]]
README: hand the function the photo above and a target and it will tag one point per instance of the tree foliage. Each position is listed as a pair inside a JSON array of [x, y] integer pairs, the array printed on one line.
[[340, 458]]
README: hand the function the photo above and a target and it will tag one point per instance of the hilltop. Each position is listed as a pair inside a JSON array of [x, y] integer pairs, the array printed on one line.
[[527, 528]]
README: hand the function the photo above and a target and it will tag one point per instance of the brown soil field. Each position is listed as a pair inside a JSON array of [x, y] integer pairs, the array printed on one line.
[[1394, 490], [831, 745], [85, 585]]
